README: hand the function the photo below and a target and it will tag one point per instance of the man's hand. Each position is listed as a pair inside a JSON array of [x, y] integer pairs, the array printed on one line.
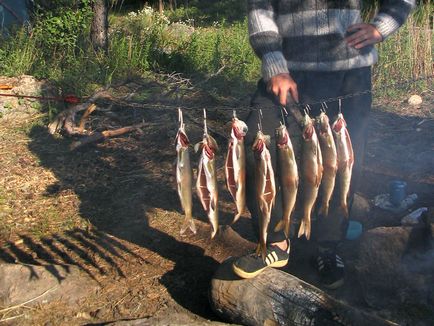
[[280, 85], [364, 34]]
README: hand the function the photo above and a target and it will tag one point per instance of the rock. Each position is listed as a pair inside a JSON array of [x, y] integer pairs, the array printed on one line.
[[415, 100], [13, 108], [396, 265], [360, 207], [43, 284]]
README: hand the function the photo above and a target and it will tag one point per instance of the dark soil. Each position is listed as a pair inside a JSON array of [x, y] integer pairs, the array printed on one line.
[[112, 208]]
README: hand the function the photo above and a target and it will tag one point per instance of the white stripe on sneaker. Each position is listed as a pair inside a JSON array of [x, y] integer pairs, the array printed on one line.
[[274, 256]]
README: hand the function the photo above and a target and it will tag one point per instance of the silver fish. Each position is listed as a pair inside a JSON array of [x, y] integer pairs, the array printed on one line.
[[345, 155], [206, 185], [184, 177], [265, 188], [329, 159], [311, 172], [235, 166], [287, 175]]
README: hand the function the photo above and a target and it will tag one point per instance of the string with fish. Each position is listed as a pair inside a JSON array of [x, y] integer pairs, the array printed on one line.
[[264, 184], [345, 158], [184, 175], [287, 172], [311, 171], [329, 159], [206, 185], [235, 165]]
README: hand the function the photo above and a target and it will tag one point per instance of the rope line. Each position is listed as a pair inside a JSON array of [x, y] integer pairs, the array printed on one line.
[[72, 99]]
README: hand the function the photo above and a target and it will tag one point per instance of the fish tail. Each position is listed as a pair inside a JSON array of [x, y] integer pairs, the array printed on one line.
[[282, 225], [188, 224], [214, 229], [279, 226], [236, 217], [304, 228]]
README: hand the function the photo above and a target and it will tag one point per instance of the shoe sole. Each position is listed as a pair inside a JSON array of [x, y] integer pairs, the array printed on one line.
[[243, 274]]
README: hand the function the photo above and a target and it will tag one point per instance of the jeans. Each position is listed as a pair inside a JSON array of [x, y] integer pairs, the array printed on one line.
[[312, 87]]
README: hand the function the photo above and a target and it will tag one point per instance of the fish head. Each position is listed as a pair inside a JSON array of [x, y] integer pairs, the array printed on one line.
[[212, 143], [208, 151], [308, 127], [181, 139], [209, 146], [339, 124], [282, 136], [323, 123], [259, 143], [239, 128]]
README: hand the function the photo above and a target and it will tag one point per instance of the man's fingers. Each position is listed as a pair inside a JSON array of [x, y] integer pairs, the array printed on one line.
[[282, 97], [355, 27], [361, 34], [280, 85], [364, 43], [365, 34]]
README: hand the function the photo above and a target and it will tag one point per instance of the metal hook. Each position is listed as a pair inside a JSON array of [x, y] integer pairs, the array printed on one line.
[[180, 118], [234, 113], [340, 105], [284, 115], [260, 116], [205, 128], [324, 107]]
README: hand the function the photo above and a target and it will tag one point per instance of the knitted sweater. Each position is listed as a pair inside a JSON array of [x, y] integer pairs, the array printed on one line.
[[310, 34]]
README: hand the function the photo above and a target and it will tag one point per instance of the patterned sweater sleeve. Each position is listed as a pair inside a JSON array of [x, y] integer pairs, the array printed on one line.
[[265, 38], [391, 15]]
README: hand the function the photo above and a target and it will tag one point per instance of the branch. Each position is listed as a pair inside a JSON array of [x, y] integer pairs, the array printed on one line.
[[98, 136], [85, 116]]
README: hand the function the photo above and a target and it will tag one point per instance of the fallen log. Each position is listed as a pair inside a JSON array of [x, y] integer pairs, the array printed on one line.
[[98, 136], [278, 298]]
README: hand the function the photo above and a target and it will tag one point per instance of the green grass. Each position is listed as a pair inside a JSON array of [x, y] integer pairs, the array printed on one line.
[[406, 55]]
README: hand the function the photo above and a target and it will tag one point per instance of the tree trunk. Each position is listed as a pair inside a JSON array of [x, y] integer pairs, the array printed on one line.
[[278, 298], [160, 6], [99, 25]]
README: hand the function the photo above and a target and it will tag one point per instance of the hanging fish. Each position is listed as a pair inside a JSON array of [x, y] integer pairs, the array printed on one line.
[[329, 159], [345, 155], [265, 187], [184, 176], [206, 184], [287, 175], [235, 167], [311, 173]]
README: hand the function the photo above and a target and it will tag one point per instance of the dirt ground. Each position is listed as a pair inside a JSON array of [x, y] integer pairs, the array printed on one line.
[[112, 208]]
